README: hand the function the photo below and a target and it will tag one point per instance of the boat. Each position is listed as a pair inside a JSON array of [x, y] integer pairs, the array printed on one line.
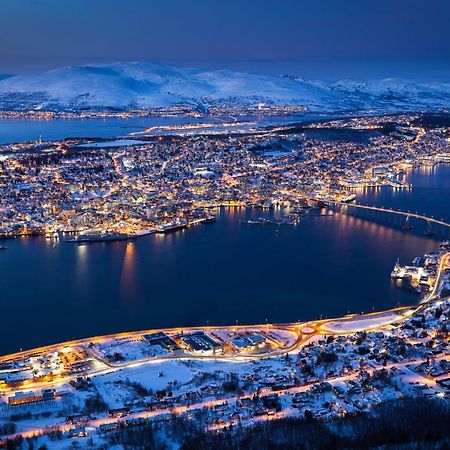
[[143, 232], [175, 225], [3, 248], [399, 184], [315, 203], [401, 273], [209, 219], [348, 198], [99, 236], [396, 271]]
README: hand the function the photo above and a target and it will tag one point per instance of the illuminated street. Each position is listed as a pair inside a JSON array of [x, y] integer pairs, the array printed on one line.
[[224, 225]]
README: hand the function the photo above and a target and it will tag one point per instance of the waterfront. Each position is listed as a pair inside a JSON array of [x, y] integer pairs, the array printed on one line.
[[24, 129], [216, 273]]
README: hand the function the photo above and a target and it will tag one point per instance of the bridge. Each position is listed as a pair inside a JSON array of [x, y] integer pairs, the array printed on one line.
[[430, 220]]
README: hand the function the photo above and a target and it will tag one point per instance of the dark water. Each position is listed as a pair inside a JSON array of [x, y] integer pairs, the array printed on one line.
[[24, 130], [220, 272]]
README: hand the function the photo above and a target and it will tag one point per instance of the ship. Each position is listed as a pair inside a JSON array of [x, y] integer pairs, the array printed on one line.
[[51, 235], [396, 271], [399, 184], [99, 236], [348, 198], [315, 203], [175, 225], [400, 273]]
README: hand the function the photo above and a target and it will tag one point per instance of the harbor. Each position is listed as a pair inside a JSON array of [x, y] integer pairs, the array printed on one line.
[[268, 253]]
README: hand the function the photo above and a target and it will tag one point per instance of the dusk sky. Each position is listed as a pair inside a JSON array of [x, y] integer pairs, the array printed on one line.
[[39, 35]]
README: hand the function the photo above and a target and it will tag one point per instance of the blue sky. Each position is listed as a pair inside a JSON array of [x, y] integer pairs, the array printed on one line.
[[42, 34]]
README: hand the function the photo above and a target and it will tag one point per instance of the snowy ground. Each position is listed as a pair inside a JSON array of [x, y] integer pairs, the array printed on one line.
[[116, 390], [130, 349], [116, 143], [360, 323]]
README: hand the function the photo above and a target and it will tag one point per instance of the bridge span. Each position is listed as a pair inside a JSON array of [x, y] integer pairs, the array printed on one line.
[[390, 211]]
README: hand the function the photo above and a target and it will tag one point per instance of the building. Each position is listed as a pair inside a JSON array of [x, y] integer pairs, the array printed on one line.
[[248, 343], [48, 394], [162, 340], [20, 398], [200, 342]]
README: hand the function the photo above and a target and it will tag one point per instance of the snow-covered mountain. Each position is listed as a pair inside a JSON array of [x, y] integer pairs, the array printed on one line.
[[142, 85]]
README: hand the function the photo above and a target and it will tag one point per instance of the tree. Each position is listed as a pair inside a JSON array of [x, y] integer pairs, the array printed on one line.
[[326, 357], [309, 416]]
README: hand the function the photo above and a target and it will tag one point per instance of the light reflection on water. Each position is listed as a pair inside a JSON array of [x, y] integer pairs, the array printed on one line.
[[221, 272]]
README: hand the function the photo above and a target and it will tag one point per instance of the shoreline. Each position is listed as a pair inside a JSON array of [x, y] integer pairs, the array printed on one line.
[[105, 376], [428, 298]]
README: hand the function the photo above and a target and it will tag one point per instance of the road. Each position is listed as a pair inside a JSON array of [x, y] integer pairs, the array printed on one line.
[[315, 328], [311, 329], [443, 265], [95, 423]]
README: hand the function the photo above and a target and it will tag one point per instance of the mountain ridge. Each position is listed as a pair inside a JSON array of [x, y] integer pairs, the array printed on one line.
[[144, 85]]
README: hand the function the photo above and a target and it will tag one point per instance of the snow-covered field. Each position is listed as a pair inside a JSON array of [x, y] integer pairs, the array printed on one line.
[[115, 143], [128, 349], [360, 323], [153, 377], [178, 376]]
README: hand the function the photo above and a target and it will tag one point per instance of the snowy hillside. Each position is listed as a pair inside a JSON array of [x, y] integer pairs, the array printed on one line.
[[142, 85]]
